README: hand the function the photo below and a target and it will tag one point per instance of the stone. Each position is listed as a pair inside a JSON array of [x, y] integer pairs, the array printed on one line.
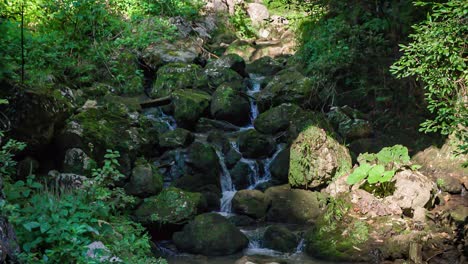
[[293, 206], [229, 61], [232, 158], [252, 144], [219, 140], [176, 76], [204, 161], [279, 167], [252, 203], [229, 105], [449, 184], [265, 66], [157, 55], [258, 13], [145, 181], [189, 106], [26, 167], [177, 138], [317, 158], [240, 175], [277, 119], [210, 234], [76, 161], [279, 238]]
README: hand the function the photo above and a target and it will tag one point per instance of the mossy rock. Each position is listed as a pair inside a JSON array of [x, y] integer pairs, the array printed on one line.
[[210, 234], [229, 61], [175, 76], [277, 118], [252, 203], [145, 181], [280, 238], [279, 167], [240, 175], [265, 66], [171, 206], [218, 76], [229, 105], [253, 144], [288, 86], [177, 138], [293, 206], [316, 159], [203, 160], [189, 106]]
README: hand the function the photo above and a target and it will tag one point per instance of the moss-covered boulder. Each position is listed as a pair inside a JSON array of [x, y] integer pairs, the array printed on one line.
[[145, 181], [160, 53], [189, 106], [288, 86], [177, 138], [203, 161], [175, 76], [252, 203], [210, 234], [218, 76], [277, 118], [240, 175], [350, 123], [265, 66], [229, 61], [231, 158], [75, 161], [229, 105], [171, 206], [280, 238], [293, 206], [279, 166], [219, 140], [253, 144], [316, 158]]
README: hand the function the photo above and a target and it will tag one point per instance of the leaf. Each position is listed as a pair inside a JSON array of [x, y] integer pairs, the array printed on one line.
[[30, 225], [359, 174], [415, 167], [387, 176], [375, 173]]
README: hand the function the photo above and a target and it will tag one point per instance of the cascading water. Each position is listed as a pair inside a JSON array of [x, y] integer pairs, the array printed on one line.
[[227, 187], [156, 114]]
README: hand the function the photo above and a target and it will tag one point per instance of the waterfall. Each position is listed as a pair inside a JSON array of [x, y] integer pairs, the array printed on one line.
[[227, 188]]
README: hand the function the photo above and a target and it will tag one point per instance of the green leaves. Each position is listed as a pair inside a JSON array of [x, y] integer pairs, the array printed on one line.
[[375, 174], [359, 174]]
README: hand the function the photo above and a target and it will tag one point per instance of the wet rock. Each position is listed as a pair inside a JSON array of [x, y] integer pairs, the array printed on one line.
[[25, 168], [240, 175], [175, 76], [212, 195], [202, 158], [232, 158], [219, 140], [229, 105], [277, 118], [205, 125], [265, 66], [279, 167], [212, 235], [189, 106], [171, 206], [316, 158], [177, 138], [252, 144], [229, 61], [279, 238], [145, 181], [288, 86], [241, 220], [293, 205], [76, 161], [252, 203]]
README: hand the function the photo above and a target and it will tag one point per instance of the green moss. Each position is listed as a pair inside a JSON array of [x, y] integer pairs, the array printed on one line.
[[174, 76], [189, 106]]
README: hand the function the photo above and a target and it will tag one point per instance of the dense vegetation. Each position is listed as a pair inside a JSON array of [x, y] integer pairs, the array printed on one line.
[[385, 59]]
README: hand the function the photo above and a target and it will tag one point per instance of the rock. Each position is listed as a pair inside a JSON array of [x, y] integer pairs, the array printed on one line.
[[367, 204], [171, 206], [277, 118], [293, 206], [145, 181], [316, 158], [288, 86], [212, 195], [279, 167], [241, 220], [459, 214], [177, 138], [67, 180], [419, 215], [252, 203], [350, 123], [242, 48], [265, 66], [203, 160], [279, 238], [258, 13], [176, 76], [229, 61], [229, 105], [218, 76], [76, 161], [98, 251], [210, 234], [252, 144], [302, 122], [232, 158], [172, 164], [25, 168], [449, 184], [240, 175], [219, 140], [206, 125], [156, 55], [189, 106]]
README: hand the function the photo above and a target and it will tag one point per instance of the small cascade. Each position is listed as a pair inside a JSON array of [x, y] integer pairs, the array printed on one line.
[[300, 246], [254, 88], [265, 175], [158, 115], [227, 187]]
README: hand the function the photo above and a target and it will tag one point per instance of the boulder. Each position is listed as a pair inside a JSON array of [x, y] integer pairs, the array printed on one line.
[[76, 161], [258, 13], [210, 234], [158, 54], [280, 238], [189, 106], [288, 86], [277, 118], [279, 166], [241, 220], [176, 76], [219, 140], [145, 181], [206, 125], [171, 206], [252, 203], [240, 175], [242, 48], [449, 184], [229, 61], [204, 161], [265, 66], [218, 76], [232, 158], [177, 138], [252, 144], [26, 167], [293, 206], [316, 158], [229, 105]]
